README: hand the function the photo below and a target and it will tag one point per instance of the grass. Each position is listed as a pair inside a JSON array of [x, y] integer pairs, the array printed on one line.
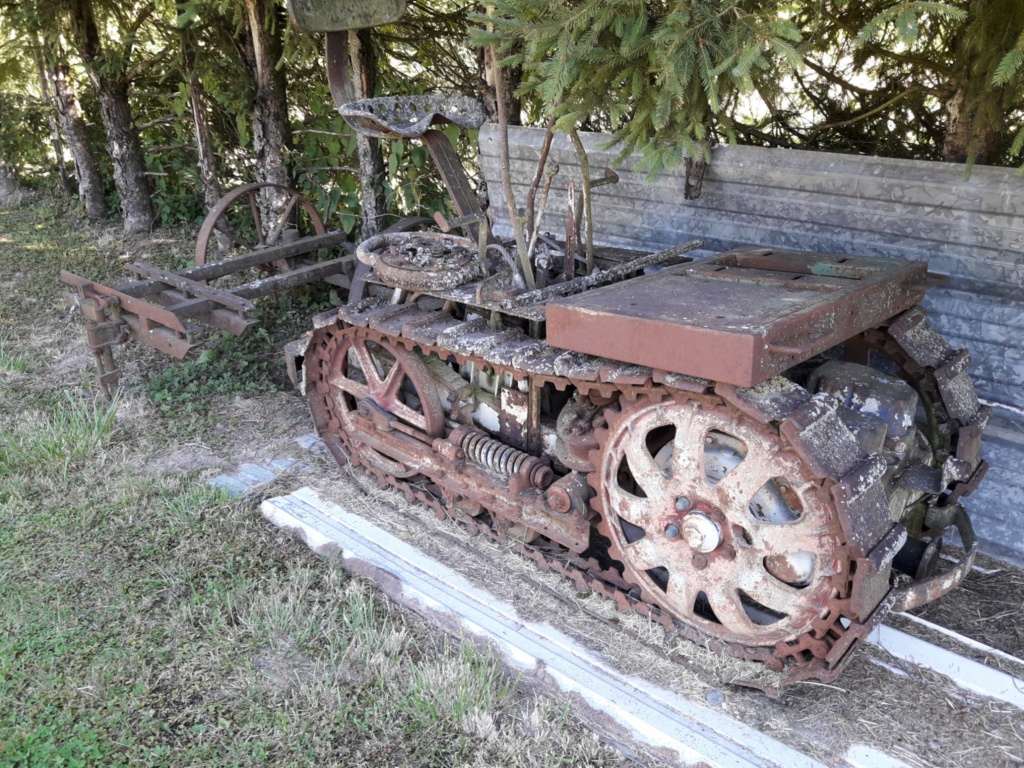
[[10, 362], [153, 621], [53, 440]]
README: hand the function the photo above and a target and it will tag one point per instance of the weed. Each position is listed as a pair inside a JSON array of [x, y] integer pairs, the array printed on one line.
[[229, 366], [44, 747], [244, 365]]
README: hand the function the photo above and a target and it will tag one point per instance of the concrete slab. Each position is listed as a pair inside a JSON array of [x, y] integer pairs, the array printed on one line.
[[694, 733]]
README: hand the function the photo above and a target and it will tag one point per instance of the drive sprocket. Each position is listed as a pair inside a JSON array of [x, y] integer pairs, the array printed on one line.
[[718, 522]]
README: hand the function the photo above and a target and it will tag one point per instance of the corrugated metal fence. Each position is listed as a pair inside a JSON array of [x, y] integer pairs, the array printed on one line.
[[971, 230]]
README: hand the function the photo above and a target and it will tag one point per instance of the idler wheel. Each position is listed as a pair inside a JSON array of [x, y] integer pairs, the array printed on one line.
[[364, 381]]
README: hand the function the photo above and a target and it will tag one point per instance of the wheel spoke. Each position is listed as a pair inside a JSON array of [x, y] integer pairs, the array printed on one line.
[[392, 383], [687, 448], [737, 488], [357, 389], [256, 218], [783, 538], [408, 414], [643, 554], [369, 368], [725, 602], [279, 225], [645, 470], [633, 509], [681, 591], [772, 593]]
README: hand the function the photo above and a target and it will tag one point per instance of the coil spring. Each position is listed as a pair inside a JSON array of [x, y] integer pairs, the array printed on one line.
[[482, 449]]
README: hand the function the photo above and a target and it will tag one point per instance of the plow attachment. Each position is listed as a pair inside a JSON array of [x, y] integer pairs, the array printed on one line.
[[162, 309]]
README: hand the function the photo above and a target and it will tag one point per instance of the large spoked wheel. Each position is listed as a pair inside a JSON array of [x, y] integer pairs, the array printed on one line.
[[716, 521], [368, 374], [255, 216]]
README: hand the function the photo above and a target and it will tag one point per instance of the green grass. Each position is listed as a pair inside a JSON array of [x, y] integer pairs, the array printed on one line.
[[53, 440], [153, 621], [10, 362]]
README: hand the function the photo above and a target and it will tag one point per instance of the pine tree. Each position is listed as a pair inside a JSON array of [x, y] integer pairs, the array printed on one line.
[[671, 77], [661, 75]]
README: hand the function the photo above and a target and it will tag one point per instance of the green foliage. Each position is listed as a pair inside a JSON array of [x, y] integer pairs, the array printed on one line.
[[905, 18], [23, 134], [872, 76], [661, 75], [246, 365], [45, 747], [229, 366]]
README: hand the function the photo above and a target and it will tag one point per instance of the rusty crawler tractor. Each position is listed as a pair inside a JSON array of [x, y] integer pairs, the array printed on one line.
[[760, 450]]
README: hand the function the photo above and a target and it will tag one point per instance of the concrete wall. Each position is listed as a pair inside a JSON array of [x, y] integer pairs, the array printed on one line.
[[972, 231]]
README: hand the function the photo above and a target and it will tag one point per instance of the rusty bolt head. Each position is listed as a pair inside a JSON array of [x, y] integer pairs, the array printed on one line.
[[700, 562], [558, 499]]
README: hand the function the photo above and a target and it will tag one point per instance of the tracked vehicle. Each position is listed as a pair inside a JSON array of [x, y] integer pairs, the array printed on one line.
[[759, 449]]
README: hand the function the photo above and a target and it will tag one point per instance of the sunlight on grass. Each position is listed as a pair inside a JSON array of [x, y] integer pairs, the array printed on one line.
[[72, 430]]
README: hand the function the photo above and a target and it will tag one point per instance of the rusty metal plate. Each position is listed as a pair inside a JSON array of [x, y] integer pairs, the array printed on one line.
[[740, 317]]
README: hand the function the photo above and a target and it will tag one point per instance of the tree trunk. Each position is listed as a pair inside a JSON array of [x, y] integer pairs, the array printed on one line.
[[126, 151], [974, 128], [363, 71], [51, 118], [197, 103], [10, 189], [122, 137], [510, 77], [90, 185], [271, 129]]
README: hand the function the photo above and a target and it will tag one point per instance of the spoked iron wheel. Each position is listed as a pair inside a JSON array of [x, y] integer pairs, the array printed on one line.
[[364, 374], [245, 220], [716, 521]]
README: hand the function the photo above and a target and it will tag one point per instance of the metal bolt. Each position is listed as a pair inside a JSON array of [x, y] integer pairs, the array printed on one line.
[[682, 504], [701, 532], [700, 562], [672, 531]]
